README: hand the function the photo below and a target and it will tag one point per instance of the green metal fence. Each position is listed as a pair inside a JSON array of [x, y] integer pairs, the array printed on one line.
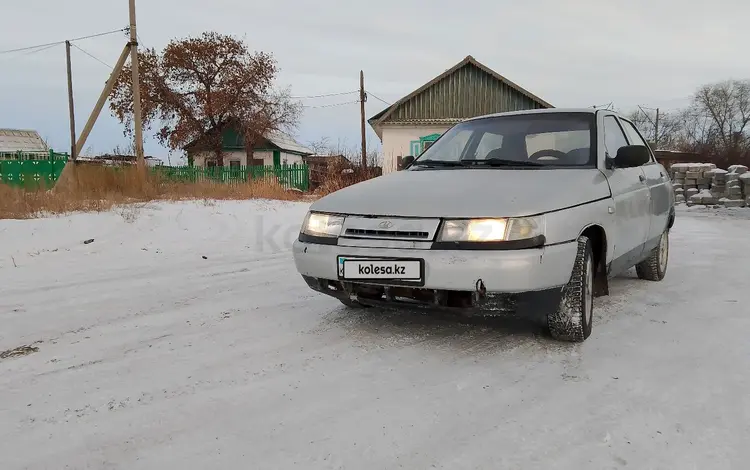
[[295, 176], [34, 170], [31, 170]]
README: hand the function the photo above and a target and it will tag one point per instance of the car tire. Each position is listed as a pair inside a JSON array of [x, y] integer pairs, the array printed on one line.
[[573, 318], [654, 268]]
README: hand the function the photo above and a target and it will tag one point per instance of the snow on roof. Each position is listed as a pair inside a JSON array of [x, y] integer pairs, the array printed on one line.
[[286, 142], [20, 140]]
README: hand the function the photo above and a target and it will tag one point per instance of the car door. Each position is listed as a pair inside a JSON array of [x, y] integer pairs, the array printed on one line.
[[631, 200], [659, 186]]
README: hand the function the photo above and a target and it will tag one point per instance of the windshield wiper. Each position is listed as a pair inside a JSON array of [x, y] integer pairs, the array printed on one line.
[[501, 162], [437, 163]]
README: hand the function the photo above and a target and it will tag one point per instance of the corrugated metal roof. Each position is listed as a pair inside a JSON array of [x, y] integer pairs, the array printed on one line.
[[15, 140], [466, 90], [286, 142]]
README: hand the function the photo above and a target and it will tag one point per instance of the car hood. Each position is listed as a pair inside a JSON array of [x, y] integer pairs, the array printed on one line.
[[472, 192]]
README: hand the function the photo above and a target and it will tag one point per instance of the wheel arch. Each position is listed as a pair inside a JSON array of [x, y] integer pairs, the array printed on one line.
[[598, 237]]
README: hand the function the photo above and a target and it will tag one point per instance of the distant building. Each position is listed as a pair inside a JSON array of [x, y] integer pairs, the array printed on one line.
[[276, 149], [22, 140], [468, 89], [110, 160]]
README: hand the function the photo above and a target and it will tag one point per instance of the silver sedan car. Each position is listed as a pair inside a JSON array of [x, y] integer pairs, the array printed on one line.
[[528, 211]]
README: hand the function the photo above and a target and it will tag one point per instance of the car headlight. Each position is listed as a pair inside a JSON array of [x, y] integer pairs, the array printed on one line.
[[322, 225], [491, 230]]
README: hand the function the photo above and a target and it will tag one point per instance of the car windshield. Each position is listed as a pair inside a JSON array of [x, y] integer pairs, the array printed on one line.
[[528, 140]]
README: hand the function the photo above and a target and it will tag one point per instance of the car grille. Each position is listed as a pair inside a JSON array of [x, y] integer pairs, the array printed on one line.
[[358, 232], [390, 229]]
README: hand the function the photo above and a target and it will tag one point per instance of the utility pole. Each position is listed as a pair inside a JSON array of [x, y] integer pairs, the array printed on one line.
[[362, 98], [656, 131], [71, 109], [138, 120], [130, 49], [103, 98]]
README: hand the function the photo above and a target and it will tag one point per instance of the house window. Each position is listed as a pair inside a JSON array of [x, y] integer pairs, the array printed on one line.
[[257, 162], [210, 164], [416, 147], [234, 164]]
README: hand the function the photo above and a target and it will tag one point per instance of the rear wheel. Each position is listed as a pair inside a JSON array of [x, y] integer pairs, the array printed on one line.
[[573, 319], [654, 268]]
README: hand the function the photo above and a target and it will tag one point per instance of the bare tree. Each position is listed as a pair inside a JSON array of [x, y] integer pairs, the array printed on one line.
[[669, 127], [127, 149], [716, 124], [728, 106], [321, 146], [198, 88], [695, 133], [352, 153]]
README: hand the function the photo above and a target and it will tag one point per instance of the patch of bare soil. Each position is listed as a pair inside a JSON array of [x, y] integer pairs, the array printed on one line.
[[19, 351]]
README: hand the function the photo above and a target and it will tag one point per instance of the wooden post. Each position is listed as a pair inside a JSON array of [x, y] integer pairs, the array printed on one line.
[[138, 120], [362, 116], [71, 108], [102, 99]]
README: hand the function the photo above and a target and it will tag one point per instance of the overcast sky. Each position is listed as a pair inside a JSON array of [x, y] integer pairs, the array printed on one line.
[[570, 53]]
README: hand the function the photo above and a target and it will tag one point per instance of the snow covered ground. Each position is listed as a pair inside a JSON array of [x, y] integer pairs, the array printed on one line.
[[182, 337]]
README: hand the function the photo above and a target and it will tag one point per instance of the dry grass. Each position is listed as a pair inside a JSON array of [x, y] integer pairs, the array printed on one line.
[[93, 188]]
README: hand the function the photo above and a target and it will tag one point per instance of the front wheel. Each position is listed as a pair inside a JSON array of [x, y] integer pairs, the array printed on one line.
[[572, 320], [654, 268]]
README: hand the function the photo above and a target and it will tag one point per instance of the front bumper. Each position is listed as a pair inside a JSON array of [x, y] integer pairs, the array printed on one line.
[[479, 275]]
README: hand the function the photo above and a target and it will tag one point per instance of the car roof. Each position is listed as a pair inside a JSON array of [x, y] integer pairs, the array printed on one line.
[[542, 111]]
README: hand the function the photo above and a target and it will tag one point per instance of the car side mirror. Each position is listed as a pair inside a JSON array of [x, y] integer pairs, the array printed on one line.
[[632, 156], [407, 160]]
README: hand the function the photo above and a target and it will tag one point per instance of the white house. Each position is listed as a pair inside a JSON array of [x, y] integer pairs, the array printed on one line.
[[468, 89], [22, 140], [278, 148]]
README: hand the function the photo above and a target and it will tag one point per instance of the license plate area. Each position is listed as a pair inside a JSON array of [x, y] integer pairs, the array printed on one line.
[[375, 270]]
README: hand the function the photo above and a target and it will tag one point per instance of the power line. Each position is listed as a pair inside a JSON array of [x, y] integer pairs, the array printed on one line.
[[39, 46], [50, 44], [324, 96], [33, 51], [92, 56], [99, 34], [379, 99], [332, 105], [647, 115], [41, 49]]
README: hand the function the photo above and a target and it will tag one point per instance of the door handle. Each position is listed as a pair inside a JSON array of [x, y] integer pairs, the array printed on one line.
[[642, 178]]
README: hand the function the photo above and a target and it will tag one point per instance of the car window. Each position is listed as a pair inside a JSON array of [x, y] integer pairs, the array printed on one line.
[[488, 143], [633, 136], [614, 138], [452, 143], [566, 141], [547, 139]]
